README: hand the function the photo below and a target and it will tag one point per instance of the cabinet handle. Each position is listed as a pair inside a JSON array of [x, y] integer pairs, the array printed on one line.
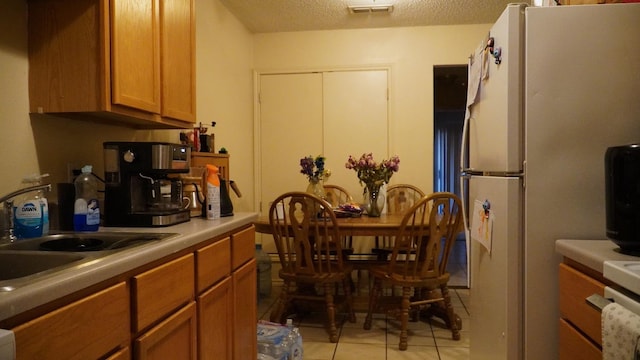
[[598, 302]]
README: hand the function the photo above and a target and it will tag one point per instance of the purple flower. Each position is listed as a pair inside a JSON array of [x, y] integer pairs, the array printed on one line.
[[370, 173], [313, 168]]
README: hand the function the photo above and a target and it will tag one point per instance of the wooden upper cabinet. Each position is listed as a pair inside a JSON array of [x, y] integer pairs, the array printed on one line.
[[178, 47], [125, 61], [135, 54]]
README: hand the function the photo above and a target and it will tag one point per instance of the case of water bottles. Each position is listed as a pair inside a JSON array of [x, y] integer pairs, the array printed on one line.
[[279, 342]]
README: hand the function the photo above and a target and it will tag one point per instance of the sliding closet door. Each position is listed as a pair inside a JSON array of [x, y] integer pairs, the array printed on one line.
[[355, 121], [336, 114], [290, 128]]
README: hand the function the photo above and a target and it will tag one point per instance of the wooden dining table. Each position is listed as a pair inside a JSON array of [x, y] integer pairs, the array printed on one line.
[[385, 225]]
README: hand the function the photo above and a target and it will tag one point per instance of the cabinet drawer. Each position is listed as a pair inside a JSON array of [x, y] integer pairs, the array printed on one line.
[[574, 346], [575, 287], [213, 263], [159, 291], [86, 329], [243, 246]]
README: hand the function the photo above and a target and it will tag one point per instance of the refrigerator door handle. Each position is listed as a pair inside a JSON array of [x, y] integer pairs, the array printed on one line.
[[464, 172]]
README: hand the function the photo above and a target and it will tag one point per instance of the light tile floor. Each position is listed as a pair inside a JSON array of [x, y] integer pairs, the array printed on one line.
[[427, 340]]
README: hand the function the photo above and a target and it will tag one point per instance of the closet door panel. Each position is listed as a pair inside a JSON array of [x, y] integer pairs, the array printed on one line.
[[355, 121], [290, 128]]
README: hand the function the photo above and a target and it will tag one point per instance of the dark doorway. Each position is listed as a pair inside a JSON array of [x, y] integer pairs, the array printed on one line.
[[450, 97]]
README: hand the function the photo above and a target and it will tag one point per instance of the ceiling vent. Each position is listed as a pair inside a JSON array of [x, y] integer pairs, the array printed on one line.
[[359, 9]]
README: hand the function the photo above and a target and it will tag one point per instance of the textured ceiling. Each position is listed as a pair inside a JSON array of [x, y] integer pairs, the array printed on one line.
[[262, 16]]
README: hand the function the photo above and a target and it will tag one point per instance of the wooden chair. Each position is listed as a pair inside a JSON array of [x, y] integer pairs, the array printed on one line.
[[400, 198], [336, 195], [304, 236], [418, 263]]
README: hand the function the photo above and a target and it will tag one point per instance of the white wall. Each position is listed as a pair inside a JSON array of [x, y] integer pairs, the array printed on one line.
[[225, 90], [411, 52]]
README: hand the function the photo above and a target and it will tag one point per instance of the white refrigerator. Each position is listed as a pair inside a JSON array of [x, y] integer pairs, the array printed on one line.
[[556, 88]]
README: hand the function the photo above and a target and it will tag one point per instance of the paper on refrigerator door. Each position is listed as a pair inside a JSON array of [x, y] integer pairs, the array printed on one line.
[[476, 61], [482, 225]]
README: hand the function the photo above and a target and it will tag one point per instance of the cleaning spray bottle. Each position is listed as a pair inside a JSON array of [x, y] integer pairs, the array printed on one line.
[[213, 192]]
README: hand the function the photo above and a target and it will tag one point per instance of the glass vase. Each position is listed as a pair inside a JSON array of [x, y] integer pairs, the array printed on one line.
[[375, 202], [315, 187]]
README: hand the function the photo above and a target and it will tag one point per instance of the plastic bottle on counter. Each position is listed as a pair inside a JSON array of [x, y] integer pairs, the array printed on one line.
[[86, 209], [31, 211], [213, 192], [264, 272]]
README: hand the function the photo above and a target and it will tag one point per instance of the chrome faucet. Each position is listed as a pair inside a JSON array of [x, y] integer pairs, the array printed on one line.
[[6, 223]]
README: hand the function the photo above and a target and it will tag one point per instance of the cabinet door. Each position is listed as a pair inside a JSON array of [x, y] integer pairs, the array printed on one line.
[[245, 316], [86, 329], [574, 346], [124, 354], [178, 59], [135, 54], [575, 287], [174, 338], [215, 322]]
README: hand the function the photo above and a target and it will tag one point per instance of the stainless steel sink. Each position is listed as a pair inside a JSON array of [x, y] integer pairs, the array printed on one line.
[[85, 242], [52, 253], [17, 264]]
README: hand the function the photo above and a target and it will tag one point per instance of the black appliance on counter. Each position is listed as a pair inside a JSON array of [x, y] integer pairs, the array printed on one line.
[[142, 184], [622, 182]]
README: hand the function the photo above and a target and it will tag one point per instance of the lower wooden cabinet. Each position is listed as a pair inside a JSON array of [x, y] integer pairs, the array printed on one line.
[[173, 338], [124, 354], [245, 317], [199, 305], [573, 345], [227, 312], [215, 325], [90, 328], [580, 331]]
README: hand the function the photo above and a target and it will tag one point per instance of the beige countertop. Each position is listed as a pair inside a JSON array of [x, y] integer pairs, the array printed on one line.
[[49, 287], [592, 253]]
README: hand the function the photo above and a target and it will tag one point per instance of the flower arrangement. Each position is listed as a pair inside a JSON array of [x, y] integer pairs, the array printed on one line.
[[314, 169], [372, 174]]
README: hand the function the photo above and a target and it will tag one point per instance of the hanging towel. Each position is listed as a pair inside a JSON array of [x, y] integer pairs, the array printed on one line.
[[620, 333]]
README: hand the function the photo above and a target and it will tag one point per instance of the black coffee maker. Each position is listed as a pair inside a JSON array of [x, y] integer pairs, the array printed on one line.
[[622, 182], [142, 184]]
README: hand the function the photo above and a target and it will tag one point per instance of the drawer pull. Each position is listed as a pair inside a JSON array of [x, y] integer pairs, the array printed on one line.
[[598, 302]]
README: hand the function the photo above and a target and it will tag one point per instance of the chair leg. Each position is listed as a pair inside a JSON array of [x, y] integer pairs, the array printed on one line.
[[278, 312], [331, 313], [346, 286], [453, 322], [373, 301], [404, 318]]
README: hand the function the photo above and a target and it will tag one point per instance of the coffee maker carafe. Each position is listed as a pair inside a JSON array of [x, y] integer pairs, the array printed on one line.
[[142, 184]]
